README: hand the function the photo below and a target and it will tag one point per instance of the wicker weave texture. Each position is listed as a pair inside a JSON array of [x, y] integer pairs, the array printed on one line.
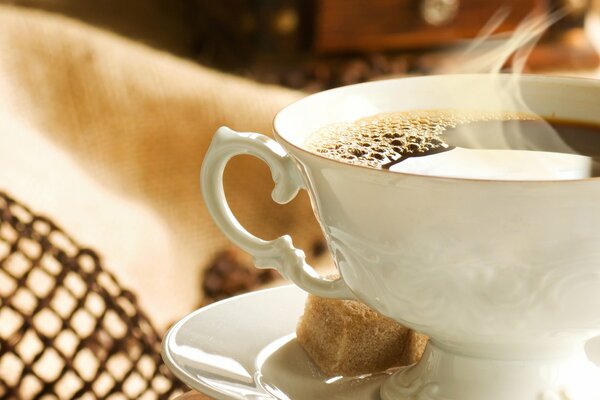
[[68, 330]]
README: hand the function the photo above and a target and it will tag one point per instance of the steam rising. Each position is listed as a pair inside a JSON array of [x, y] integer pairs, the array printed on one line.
[[592, 25], [488, 54], [414, 141]]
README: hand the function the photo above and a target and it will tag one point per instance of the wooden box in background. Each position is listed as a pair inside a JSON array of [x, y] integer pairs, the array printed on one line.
[[375, 25]]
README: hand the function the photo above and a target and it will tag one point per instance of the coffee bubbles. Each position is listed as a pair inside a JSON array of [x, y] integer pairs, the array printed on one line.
[[466, 144]]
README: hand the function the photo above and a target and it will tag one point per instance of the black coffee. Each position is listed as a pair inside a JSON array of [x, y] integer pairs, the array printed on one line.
[[505, 145]]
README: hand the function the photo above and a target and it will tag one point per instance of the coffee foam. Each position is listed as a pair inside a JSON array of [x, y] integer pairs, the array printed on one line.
[[386, 137]]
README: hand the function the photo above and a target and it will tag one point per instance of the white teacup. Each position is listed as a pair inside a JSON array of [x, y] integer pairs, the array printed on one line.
[[503, 275]]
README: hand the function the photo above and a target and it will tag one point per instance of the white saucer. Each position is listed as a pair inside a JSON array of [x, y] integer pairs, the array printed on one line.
[[245, 348]]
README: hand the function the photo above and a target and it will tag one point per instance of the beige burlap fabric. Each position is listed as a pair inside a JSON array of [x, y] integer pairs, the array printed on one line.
[[107, 136]]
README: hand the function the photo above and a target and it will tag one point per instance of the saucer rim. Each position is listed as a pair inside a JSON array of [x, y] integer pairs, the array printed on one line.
[[180, 372]]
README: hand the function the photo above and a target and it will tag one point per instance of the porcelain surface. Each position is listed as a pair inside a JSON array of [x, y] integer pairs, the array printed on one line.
[[504, 271], [245, 348]]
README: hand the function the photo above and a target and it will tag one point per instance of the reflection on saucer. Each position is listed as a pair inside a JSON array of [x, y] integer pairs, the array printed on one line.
[[286, 371], [245, 348]]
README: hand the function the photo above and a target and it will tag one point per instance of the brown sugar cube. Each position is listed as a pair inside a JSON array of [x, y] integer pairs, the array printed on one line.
[[345, 337]]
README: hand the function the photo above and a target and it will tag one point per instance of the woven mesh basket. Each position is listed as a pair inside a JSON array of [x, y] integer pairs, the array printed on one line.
[[68, 330]]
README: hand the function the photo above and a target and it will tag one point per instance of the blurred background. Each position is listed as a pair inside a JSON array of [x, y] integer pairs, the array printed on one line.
[[106, 110], [318, 44]]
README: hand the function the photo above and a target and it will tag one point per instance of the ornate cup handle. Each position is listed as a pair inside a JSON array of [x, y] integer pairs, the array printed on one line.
[[278, 253]]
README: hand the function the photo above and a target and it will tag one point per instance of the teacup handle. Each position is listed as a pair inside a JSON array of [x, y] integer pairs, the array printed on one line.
[[279, 253]]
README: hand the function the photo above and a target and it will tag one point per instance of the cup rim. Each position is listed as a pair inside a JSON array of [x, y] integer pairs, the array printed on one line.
[[541, 77]]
